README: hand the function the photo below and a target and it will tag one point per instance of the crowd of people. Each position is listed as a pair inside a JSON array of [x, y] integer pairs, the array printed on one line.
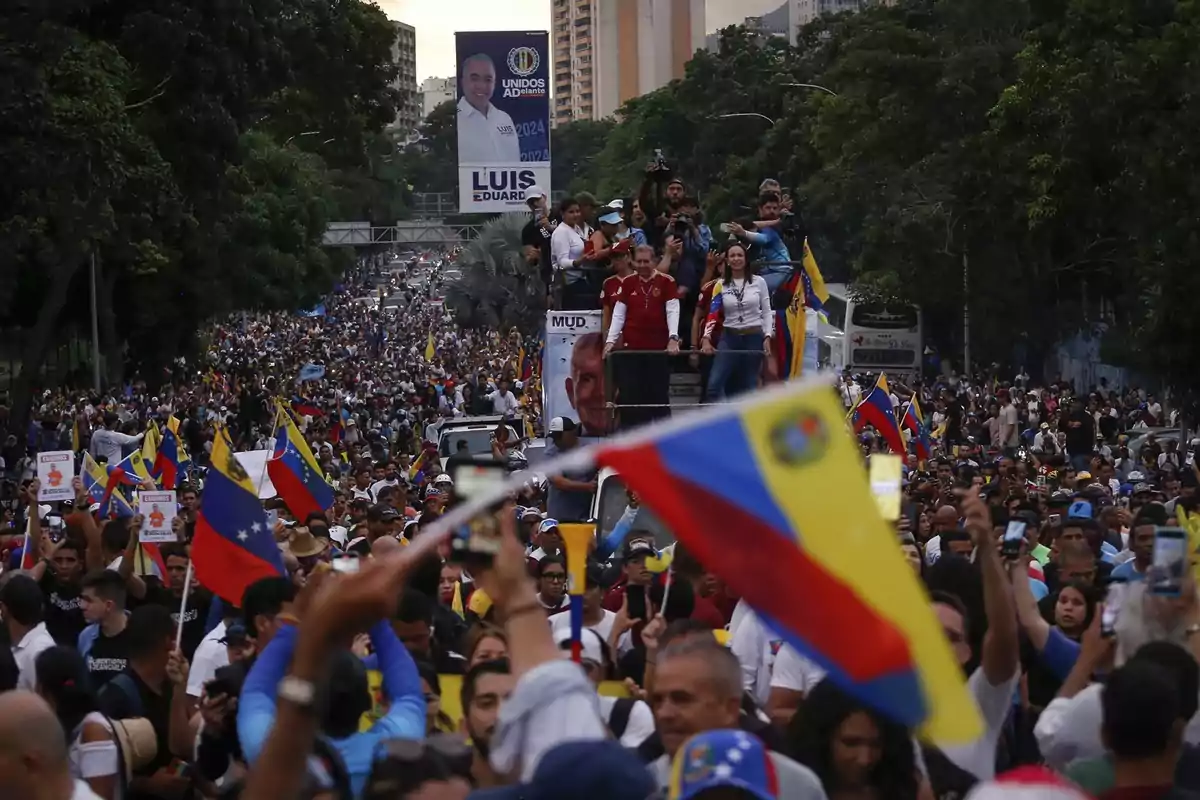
[[380, 664]]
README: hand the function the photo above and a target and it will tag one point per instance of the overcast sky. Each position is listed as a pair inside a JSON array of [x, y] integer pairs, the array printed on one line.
[[437, 20]]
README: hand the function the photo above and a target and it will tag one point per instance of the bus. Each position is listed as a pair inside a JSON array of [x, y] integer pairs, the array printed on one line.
[[867, 336]]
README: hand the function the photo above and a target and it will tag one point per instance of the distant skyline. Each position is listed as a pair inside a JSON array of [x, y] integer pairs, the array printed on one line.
[[437, 21]]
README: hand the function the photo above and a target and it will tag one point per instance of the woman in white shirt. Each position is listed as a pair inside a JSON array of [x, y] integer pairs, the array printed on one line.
[[570, 257], [64, 683], [742, 309]]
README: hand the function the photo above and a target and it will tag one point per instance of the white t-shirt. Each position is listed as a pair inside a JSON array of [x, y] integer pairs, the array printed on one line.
[[640, 725], [83, 792], [561, 622], [92, 759], [210, 655], [1008, 421], [994, 702], [755, 646], [795, 672], [486, 139]]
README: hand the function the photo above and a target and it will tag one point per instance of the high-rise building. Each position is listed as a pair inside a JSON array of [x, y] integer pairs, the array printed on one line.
[[435, 91], [802, 12], [609, 51], [404, 53]]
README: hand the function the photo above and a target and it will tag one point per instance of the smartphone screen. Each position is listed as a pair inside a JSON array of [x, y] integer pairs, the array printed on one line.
[[1113, 601], [1165, 576], [1014, 534], [478, 540], [636, 601]]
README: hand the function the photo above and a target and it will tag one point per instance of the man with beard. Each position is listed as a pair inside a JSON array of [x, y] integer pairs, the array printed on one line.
[[485, 688]]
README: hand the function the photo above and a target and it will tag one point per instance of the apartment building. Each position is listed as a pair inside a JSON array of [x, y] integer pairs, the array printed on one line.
[[404, 54], [435, 91], [609, 51]]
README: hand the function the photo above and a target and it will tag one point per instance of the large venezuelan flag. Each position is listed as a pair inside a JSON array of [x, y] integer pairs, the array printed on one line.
[[914, 422], [786, 517], [875, 409], [95, 482], [170, 458], [232, 547], [295, 472]]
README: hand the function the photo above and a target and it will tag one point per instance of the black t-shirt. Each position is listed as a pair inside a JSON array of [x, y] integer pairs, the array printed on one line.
[[64, 610], [534, 234], [1081, 437], [195, 623], [116, 702], [108, 658]]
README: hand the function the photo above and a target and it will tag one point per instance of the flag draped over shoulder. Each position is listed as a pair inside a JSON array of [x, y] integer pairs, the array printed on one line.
[[294, 470], [232, 547], [810, 539], [876, 410]]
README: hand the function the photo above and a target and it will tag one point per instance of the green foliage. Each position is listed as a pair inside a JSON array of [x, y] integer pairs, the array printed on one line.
[[498, 289], [196, 154]]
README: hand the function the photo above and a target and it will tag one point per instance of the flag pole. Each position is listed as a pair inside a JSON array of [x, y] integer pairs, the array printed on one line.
[[187, 585]]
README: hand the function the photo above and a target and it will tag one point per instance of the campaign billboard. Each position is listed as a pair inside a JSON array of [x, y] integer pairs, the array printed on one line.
[[573, 370], [503, 118]]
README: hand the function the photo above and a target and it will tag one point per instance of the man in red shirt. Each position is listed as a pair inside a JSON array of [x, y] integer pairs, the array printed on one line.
[[644, 319]]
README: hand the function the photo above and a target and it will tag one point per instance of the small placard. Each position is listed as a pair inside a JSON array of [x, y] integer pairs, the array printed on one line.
[[55, 471], [158, 512]]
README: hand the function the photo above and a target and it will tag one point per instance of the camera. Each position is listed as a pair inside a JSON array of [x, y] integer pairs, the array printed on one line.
[[682, 224], [659, 167]]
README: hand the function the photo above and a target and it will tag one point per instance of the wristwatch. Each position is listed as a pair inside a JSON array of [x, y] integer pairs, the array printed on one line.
[[674, 337], [298, 692], [1191, 630]]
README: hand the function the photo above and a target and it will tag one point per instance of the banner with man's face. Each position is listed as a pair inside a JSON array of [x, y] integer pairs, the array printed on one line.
[[503, 118], [573, 370]]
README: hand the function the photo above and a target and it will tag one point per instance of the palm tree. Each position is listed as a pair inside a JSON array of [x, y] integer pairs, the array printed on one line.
[[498, 288]]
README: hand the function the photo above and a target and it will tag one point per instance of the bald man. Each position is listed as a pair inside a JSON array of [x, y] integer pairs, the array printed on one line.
[[384, 545], [947, 537], [33, 752]]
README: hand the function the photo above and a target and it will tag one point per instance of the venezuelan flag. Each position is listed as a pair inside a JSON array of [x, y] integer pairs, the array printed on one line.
[[815, 292], [814, 557], [150, 444], [295, 472], [875, 409], [418, 464], [790, 331], [95, 482], [170, 458], [430, 348], [130, 470], [914, 422], [304, 407], [233, 547]]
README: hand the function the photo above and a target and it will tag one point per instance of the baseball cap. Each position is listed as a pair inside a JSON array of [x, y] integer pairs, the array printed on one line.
[[561, 425], [588, 638], [546, 525], [677, 180], [639, 547], [534, 192], [1027, 783], [1080, 509], [731, 759], [381, 513], [611, 218], [622, 247], [582, 770], [1083, 476], [235, 634], [443, 478], [530, 513], [617, 204]]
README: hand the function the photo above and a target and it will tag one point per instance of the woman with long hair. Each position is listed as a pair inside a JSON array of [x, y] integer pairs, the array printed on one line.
[[63, 682], [742, 306], [857, 753]]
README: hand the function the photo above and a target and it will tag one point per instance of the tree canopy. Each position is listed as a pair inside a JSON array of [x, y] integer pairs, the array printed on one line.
[[195, 152], [1032, 158]]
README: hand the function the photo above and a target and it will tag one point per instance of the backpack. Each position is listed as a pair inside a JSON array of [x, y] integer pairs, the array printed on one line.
[[618, 718], [137, 743]]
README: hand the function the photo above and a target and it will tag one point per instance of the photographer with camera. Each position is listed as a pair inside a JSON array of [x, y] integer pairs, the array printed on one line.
[[688, 244], [660, 197]]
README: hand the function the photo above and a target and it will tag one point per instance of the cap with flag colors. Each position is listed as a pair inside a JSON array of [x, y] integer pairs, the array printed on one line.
[[233, 547], [791, 482], [294, 470], [876, 410], [1027, 783], [729, 759]]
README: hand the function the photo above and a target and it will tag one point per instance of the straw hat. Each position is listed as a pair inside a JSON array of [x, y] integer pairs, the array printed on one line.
[[137, 743], [303, 544]]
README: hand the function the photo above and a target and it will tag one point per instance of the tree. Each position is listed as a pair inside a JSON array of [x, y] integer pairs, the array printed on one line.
[[572, 149], [498, 289]]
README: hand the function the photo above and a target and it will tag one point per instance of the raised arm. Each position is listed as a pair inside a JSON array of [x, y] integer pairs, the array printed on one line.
[[256, 706], [401, 684]]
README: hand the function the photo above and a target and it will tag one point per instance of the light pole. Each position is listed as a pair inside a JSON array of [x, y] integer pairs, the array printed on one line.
[[747, 114], [298, 135], [812, 86]]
